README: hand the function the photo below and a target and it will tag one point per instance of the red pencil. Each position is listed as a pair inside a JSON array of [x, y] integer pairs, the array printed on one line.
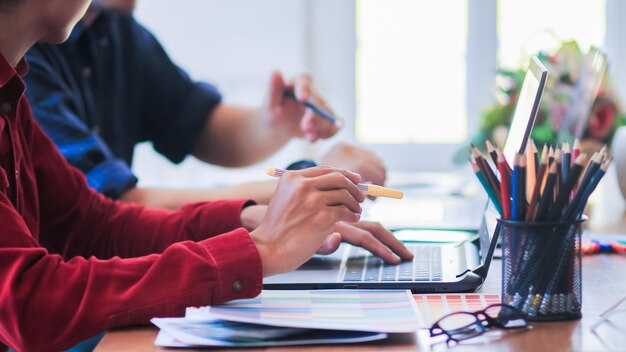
[[575, 151], [505, 186]]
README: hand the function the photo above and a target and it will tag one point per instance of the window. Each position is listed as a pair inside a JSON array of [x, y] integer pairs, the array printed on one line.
[[424, 70], [411, 72], [410, 77], [525, 27]]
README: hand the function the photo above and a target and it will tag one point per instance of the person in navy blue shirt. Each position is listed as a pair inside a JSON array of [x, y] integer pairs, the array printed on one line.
[[112, 86]]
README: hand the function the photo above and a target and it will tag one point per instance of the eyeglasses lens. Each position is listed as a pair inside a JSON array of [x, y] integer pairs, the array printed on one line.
[[506, 317], [461, 325]]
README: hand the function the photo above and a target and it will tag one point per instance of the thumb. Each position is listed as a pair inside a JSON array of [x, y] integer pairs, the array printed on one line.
[[277, 86], [331, 243]]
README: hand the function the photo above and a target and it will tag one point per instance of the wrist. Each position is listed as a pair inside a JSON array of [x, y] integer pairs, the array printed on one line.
[[265, 253], [252, 216]]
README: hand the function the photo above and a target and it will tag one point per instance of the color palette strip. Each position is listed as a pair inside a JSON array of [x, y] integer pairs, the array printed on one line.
[[387, 311], [432, 307]]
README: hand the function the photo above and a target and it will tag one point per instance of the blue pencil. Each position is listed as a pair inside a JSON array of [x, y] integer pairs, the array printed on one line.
[[518, 188], [576, 208], [328, 117]]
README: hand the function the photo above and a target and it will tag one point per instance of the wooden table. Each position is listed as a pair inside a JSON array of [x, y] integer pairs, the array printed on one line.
[[604, 282]]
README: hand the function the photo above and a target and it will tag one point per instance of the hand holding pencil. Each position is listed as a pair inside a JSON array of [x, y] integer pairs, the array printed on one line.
[[302, 213], [312, 211]]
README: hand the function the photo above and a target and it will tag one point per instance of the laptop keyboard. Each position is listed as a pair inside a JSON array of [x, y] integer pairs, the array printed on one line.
[[426, 266]]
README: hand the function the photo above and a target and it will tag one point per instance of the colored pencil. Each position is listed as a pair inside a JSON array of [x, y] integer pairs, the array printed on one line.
[[492, 152], [579, 198], [369, 189], [545, 202], [575, 154], [575, 150], [543, 167], [550, 156], [557, 161], [540, 187], [505, 182], [482, 163], [536, 156], [488, 188], [590, 170], [566, 161], [518, 193], [577, 206], [563, 196], [531, 171]]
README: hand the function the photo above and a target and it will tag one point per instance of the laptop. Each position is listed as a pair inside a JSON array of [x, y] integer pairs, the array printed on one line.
[[444, 260]]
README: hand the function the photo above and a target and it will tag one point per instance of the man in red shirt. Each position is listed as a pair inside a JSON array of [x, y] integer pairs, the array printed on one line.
[[73, 263]]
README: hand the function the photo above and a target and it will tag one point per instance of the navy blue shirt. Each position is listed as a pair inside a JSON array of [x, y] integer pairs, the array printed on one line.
[[109, 87]]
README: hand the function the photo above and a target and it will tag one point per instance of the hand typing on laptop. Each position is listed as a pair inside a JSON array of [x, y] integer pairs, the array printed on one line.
[[369, 235], [312, 211]]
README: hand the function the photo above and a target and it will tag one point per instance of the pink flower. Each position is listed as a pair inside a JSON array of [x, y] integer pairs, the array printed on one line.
[[602, 119]]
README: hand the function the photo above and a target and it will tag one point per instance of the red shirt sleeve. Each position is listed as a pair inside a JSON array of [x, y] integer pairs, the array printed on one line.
[[48, 303], [73, 263]]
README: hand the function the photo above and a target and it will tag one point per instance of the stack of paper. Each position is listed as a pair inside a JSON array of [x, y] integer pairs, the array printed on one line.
[[294, 317]]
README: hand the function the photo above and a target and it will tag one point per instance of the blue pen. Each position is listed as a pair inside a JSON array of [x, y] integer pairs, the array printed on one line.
[[328, 117]]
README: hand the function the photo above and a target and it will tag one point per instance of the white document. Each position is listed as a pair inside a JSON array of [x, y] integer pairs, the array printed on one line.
[[175, 332]]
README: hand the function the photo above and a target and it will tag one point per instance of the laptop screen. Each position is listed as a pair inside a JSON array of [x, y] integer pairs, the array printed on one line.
[[525, 110], [519, 133]]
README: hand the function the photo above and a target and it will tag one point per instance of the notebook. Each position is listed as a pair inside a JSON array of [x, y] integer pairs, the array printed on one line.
[[444, 260]]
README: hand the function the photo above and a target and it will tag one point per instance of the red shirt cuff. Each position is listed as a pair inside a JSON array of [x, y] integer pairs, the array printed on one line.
[[239, 268]]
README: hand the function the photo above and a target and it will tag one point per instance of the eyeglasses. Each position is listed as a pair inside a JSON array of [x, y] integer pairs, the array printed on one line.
[[604, 317], [460, 326]]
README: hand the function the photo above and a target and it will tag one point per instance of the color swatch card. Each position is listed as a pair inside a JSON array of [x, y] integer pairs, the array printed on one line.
[[432, 307], [349, 310]]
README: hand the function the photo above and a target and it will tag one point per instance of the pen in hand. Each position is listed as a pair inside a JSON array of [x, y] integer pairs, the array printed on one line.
[[328, 117], [370, 190]]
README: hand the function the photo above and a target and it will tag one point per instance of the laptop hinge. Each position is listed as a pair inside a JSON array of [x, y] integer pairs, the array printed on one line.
[[480, 271]]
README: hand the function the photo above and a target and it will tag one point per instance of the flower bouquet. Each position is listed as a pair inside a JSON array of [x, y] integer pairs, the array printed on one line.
[[563, 113]]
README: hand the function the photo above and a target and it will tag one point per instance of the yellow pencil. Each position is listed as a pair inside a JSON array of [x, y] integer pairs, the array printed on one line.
[[370, 190]]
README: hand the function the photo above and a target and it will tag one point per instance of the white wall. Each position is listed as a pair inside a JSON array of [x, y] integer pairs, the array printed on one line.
[[234, 44], [237, 43]]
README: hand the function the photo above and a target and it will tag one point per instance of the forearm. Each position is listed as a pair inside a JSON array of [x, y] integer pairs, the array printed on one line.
[[235, 137], [261, 192], [96, 295]]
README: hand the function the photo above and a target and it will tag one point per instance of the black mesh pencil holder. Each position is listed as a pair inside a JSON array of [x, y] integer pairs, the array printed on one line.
[[541, 268]]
